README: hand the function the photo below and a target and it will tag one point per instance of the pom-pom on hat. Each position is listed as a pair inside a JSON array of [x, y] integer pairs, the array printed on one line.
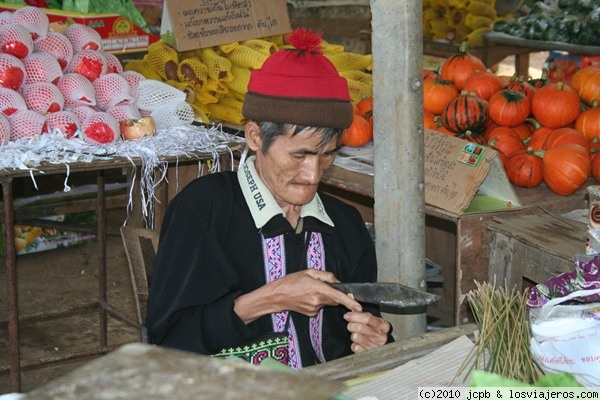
[[299, 86]]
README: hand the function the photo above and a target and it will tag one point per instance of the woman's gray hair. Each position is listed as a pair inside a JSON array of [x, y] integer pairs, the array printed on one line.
[[270, 130]]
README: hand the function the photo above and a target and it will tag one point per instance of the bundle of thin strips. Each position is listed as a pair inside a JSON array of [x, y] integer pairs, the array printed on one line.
[[503, 345]]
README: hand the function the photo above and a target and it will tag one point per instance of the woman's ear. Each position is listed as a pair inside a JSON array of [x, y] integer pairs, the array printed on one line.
[[253, 136]]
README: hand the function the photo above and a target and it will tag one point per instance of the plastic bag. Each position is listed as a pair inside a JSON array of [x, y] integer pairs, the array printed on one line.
[[566, 338]]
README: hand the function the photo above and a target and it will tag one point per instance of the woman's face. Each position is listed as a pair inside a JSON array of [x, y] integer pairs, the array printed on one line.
[[292, 167]]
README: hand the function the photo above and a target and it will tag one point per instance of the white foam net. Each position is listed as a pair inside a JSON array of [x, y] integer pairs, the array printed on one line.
[[11, 101], [83, 37], [173, 114], [152, 94], [26, 123], [124, 112], [43, 97], [112, 89], [58, 45], [89, 63], [12, 72], [42, 67], [5, 17], [133, 78], [113, 64], [16, 40], [82, 112], [4, 130], [77, 90], [32, 18], [100, 128], [65, 122]]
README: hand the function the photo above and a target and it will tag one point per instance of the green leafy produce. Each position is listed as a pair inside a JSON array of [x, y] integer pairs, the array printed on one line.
[[489, 379]]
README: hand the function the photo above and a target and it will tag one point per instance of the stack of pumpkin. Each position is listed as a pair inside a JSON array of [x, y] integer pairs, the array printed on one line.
[[544, 132]]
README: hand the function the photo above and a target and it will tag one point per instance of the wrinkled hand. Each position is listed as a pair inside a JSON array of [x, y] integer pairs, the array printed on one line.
[[307, 291], [367, 331]]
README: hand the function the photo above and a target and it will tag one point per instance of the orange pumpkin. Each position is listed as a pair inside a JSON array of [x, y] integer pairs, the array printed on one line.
[[555, 105], [460, 66], [429, 120], [483, 83], [586, 83], [566, 167], [358, 133], [465, 112], [519, 84], [509, 107], [566, 135], [595, 168], [436, 94], [588, 122], [524, 169], [505, 140], [365, 107]]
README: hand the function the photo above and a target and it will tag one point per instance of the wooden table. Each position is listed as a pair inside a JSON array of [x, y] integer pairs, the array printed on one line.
[[99, 166], [533, 247], [491, 54], [457, 243]]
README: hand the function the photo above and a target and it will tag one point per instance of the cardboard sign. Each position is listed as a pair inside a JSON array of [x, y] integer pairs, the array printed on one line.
[[456, 171], [193, 24]]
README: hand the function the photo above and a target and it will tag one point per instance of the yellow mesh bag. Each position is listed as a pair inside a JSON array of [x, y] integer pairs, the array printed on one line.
[[216, 86], [185, 87], [237, 95], [225, 113], [228, 48], [219, 67], [143, 68], [161, 59], [347, 60], [194, 71], [262, 46], [201, 113], [327, 47], [241, 77], [277, 40], [203, 97], [357, 75], [359, 90], [246, 57], [230, 101]]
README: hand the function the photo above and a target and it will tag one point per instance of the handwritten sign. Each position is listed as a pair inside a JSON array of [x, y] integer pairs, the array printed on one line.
[[456, 170], [195, 24]]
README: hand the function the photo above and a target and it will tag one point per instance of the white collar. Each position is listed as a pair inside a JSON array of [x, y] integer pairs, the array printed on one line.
[[263, 205]]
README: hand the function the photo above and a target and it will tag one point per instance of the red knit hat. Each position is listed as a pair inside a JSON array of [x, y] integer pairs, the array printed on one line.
[[299, 86]]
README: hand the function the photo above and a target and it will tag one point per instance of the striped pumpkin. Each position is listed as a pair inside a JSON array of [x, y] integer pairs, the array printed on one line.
[[465, 112]]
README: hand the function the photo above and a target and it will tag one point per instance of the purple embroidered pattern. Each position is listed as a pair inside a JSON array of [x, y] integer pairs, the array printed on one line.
[[274, 253]]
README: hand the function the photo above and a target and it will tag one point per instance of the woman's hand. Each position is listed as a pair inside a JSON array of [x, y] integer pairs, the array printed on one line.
[[367, 331]]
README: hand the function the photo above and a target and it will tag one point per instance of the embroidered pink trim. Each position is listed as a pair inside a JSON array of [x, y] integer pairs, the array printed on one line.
[[274, 260]]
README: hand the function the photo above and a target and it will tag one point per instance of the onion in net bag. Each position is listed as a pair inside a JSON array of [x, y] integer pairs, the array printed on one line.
[[58, 45], [77, 90], [11, 101], [111, 89], [173, 114], [43, 97], [33, 19], [124, 112], [153, 94], [83, 37], [133, 78], [12, 72], [15, 40], [26, 123], [65, 122], [89, 63], [82, 112], [100, 128], [4, 130], [42, 67]]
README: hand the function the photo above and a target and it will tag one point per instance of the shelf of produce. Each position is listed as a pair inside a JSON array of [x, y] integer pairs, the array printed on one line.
[[490, 54], [457, 243], [494, 39]]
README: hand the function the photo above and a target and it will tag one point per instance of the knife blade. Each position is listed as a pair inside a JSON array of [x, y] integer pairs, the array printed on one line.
[[387, 293]]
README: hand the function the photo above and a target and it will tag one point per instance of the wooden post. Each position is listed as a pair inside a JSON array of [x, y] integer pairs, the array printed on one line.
[[397, 43]]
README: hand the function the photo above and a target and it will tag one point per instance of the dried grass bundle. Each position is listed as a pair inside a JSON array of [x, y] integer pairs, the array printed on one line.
[[503, 344]]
